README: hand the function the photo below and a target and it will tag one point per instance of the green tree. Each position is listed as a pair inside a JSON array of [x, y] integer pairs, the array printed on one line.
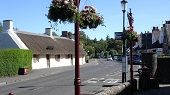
[[113, 52], [95, 40], [0, 27], [90, 50], [96, 48], [118, 46], [107, 38]]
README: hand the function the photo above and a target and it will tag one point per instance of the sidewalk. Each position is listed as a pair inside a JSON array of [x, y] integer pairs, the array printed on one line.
[[164, 89], [37, 73]]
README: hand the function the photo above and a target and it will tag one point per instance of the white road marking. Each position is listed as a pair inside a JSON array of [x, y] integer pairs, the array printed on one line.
[[111, 81], [95, 80]]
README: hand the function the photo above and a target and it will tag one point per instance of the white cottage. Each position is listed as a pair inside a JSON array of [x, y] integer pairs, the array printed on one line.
[[48, 51]]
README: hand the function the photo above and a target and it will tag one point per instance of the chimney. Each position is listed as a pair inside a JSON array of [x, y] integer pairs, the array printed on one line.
[[49, 32], [65, 34], [157, 28], [167, 22], [7, 25]]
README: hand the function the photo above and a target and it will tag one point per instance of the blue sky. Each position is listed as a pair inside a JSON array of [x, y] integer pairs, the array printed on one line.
[[29, 15]]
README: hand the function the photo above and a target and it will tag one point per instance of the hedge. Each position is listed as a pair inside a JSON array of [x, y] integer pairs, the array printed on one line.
[[13, 59], [163, 70]]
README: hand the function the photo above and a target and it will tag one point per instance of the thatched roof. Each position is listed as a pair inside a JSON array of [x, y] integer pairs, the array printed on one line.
[[43, 44]]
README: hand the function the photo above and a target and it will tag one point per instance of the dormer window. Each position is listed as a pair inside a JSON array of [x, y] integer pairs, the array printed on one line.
[[49, 47]]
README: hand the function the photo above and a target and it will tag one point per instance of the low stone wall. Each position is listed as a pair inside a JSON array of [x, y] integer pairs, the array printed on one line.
[[122, 89]]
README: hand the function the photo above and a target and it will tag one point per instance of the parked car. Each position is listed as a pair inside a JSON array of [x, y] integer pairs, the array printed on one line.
[[109, 59], [136, 59], [118, 57]]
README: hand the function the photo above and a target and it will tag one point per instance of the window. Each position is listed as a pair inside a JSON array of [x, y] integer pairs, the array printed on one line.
[[57, 57], [67, 56], [36, 58]]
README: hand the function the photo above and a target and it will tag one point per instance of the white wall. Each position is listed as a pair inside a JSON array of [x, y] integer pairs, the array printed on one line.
[[81, 60], [62, 62], [42, 62]]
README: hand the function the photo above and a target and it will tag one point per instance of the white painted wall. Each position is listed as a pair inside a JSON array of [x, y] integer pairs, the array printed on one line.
[[81, 60], [42, 63], [61, 62]]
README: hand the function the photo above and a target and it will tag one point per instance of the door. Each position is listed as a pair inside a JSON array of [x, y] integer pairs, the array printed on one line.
[[48, 60], [71, 59]]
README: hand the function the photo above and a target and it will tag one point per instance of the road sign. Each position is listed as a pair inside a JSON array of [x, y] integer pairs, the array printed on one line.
[[118, 35]]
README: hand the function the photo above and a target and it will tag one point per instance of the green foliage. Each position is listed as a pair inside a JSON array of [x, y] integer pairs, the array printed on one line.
[[131, 35], [0, 27], [113, 52], [106, 54], [13, 59], [95, 48], [90, 50]]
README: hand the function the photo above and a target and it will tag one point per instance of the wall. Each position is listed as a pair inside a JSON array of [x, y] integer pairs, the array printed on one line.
[[42, 62]]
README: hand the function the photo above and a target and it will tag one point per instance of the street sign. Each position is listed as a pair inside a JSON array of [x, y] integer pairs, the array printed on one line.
[[118, 35]]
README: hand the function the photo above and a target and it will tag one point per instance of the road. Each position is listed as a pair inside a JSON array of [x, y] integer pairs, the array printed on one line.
[[94, 78]]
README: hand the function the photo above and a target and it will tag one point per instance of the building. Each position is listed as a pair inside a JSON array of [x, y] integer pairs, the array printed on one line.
[[48, 50], [157, 38], [166, 42], [145, 41]]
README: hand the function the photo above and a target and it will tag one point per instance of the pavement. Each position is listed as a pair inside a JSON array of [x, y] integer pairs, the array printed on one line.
[[164, 89]]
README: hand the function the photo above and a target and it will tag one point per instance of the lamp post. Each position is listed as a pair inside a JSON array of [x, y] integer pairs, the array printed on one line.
[[77, 81], [123, 4]]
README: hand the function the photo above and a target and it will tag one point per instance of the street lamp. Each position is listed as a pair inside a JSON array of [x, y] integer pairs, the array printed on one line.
[[123, 4]]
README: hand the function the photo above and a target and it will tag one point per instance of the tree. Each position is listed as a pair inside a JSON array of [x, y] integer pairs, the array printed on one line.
[[0, 27], [107, 38], [95, 40], [90, 50], [118, 46], [96, 48], [111, 44]]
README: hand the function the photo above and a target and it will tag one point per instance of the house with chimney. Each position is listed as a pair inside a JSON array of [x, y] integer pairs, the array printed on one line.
[[166, 41], [48, 50]]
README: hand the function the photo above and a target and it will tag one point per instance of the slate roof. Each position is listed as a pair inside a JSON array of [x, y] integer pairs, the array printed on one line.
[[44, 44], [6, 41]]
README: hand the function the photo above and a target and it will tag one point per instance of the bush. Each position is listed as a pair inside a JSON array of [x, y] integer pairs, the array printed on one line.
[[13, 59]]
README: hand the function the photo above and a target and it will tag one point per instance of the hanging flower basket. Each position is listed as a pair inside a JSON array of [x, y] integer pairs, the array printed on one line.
[[89, 18], [62, 11], [131, 35]]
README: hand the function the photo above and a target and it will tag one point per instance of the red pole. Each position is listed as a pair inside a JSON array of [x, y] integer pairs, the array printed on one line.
[[77, 81]]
